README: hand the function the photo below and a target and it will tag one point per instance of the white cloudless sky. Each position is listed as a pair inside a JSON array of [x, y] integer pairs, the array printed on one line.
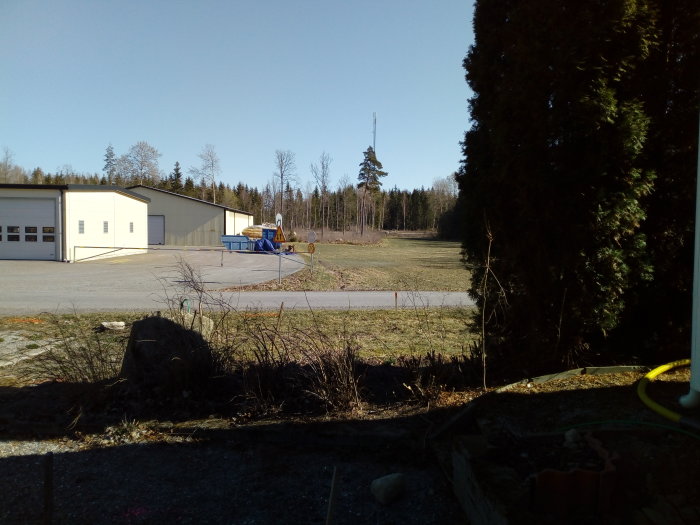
[[247, 77]]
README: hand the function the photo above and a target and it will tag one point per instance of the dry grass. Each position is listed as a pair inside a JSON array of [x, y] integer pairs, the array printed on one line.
[[392, 264], [380, 334]]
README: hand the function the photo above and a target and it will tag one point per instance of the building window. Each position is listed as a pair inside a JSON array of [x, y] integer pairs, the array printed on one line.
[[0, 238], [13, 229], [30, 229], [30, 238], [13, 238], [131, 227], [81, 226], [48, 238], [105, 227], [47, 229]]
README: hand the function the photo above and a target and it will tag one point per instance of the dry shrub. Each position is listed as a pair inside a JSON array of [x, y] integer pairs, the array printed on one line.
[[278, 365], [434, 372], [80, 354], [330, 371]]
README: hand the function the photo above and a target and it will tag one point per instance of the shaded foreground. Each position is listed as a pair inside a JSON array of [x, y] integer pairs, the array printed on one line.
[[256, 437], [185, 460]]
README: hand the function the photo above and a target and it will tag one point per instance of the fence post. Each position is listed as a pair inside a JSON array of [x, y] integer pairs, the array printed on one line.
[[48, 488]]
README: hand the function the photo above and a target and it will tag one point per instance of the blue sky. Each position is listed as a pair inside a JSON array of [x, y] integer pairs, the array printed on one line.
[[247, 77]]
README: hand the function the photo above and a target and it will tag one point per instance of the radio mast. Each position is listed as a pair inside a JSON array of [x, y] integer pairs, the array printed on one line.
[[374, 132]]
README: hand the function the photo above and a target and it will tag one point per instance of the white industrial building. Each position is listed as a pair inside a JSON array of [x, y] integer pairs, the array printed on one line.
[[71, 222], [179, 220]]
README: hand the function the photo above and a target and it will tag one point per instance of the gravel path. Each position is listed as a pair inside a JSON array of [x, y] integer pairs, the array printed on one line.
[[275, 476]]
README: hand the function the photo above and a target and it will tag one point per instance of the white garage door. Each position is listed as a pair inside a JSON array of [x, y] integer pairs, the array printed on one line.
[[28, 228], [156, 229]]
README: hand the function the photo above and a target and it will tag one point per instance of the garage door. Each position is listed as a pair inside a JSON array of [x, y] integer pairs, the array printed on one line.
[[28, 228], [156, 229]]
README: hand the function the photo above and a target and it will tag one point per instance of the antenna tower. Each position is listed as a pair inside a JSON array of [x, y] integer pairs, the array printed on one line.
[[374, 132]]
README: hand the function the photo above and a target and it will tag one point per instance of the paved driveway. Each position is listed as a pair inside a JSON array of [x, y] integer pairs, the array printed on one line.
[[144, 282]]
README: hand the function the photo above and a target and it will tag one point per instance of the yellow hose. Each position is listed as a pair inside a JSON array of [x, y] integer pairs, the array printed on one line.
[[641, 390]]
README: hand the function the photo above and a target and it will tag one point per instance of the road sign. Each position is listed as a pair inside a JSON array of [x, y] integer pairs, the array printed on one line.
[[279, 235], [278, 220], [312, 237], [312, 247]]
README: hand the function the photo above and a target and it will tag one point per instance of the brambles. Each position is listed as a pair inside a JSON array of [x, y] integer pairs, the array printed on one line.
[[78, 353]]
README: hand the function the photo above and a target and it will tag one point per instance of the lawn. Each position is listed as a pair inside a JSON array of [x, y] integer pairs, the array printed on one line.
[[393, 264], [377, 334]]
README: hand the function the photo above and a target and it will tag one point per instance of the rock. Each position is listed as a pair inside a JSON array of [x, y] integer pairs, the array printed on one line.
[[388, 489], [194, 321], [165, 355], [113, 325]]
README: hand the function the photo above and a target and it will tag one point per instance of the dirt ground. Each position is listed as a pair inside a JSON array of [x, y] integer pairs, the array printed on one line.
[[190, 462], [585, 449]]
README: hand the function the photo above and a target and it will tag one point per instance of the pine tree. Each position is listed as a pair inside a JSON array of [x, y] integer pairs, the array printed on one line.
[[175, 179], [188, 188], [370, 173], [110, 167]]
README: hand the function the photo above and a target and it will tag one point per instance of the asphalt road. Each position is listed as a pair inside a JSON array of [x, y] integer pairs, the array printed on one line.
[[147, 282]]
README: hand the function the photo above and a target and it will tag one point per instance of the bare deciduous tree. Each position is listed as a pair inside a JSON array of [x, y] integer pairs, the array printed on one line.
[[141, 163], [285, 165], [209, 169], [321, 174]]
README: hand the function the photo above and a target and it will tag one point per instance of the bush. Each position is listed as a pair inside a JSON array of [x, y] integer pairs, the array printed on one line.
[[81, 354]]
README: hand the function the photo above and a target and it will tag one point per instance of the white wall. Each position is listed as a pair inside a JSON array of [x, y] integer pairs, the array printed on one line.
[[96, 207], [236, 222]]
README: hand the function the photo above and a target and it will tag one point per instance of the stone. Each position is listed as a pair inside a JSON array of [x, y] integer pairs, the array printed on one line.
[[113, 325], [195, 321], [162, 354], [388, 489]]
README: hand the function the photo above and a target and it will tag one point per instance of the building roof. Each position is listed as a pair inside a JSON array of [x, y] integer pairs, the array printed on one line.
[[77, 187], [187, 197]]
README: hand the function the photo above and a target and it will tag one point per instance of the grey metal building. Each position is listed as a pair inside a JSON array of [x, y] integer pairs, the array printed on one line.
[[179, 220]]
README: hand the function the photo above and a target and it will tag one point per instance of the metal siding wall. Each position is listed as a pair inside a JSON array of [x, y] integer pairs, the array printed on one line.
[[40, 194], [33, 196], [187, 222]]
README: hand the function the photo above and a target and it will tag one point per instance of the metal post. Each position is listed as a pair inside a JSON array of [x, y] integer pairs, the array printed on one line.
[[692, 398], [279, 280]]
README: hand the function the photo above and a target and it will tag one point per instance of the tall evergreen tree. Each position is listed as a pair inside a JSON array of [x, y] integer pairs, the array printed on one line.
[[188, 188], [552, 179], [659, 316], [371, 170], [110, 167], [176, 179]]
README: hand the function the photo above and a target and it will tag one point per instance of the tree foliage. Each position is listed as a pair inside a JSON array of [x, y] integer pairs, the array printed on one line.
[[110, 167], [556, 181], [371, 171], [139, 164]]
